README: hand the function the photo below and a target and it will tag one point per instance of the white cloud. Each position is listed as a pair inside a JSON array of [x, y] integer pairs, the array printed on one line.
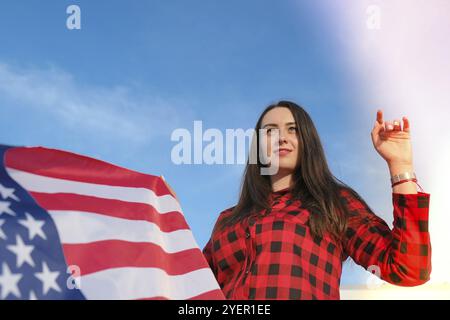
[[119, 112]]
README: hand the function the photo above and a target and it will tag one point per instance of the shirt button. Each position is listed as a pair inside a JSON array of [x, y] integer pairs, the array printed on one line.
[[247, 235]]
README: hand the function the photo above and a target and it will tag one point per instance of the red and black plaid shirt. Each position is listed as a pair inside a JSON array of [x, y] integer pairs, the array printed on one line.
[[272, 255]]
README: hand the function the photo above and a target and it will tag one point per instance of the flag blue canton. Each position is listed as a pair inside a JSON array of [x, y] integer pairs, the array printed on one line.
[[32, 263]]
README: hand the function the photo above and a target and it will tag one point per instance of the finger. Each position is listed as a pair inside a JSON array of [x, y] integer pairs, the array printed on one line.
[[397, 125], [406, 125], [380, 116], [377, 129], [389, 126]]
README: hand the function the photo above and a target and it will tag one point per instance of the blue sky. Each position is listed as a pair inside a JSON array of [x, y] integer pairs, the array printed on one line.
[[137, 70]]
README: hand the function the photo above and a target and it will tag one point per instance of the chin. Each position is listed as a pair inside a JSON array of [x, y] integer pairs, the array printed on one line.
[[286, 169], [286, 164]]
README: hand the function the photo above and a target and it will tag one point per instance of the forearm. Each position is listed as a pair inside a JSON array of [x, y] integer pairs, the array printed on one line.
[[402, 254], [409, 187]]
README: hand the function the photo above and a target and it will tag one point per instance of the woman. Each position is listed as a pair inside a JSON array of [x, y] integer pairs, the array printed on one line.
[[290, 232]]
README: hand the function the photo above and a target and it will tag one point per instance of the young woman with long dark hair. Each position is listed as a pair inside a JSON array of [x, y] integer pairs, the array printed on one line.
[[290, 232]]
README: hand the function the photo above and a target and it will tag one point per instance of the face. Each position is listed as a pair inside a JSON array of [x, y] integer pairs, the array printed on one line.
[[286, 148]]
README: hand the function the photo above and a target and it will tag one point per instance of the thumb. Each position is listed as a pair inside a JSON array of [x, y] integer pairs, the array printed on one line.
[[378, 129]]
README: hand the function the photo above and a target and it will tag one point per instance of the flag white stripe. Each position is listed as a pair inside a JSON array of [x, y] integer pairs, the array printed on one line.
[[37, 183], [140, 283], [76, 227]]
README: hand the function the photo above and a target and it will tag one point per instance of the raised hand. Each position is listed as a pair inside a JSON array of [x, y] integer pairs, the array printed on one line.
[[392, 140]]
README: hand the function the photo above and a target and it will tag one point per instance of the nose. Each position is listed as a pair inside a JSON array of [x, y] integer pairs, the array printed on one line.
[[282, 138]]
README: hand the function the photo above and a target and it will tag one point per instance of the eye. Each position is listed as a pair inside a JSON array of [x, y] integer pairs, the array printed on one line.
[[292, 129]]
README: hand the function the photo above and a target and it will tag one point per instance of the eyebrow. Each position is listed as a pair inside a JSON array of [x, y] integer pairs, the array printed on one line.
[[275, 125]]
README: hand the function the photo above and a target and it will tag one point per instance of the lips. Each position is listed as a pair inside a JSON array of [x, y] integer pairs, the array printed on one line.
[[283, 151]]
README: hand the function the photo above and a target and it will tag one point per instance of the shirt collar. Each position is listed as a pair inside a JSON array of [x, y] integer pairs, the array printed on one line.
[[279, 194]]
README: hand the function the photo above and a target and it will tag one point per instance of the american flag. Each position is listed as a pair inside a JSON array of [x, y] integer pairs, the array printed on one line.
[[73, 227]]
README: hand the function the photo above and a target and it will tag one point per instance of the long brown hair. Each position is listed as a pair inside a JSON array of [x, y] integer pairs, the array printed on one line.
[[318, 189]]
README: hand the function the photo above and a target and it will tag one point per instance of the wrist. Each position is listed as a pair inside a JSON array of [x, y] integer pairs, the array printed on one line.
[[398, 168], [403, 179]]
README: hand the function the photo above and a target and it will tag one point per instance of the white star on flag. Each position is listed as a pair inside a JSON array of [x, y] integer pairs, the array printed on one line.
[[32, 295], [2, 234], [22, 251], [8, 193], [4, 208], [34, 226], [48, 279], [8, 282]]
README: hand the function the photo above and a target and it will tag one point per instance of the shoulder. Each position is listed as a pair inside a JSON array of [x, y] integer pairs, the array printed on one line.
[[356, 209], [226, 212], [346, 195], [220, 219], [351, 199], [346, 192]]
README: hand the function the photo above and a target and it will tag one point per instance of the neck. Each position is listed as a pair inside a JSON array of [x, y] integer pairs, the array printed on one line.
[[281, 181]]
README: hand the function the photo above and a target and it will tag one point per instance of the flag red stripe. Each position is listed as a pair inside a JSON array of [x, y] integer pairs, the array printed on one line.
[[167, 222], [69, 166], [101, 255], [209, 295]]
